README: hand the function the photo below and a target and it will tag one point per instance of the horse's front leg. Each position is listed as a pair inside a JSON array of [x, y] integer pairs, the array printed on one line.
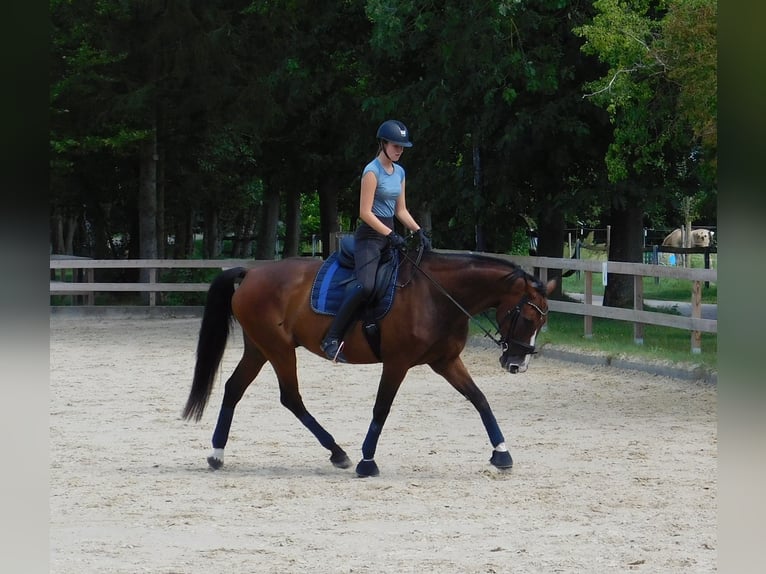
[[457, 375], [390, 381]]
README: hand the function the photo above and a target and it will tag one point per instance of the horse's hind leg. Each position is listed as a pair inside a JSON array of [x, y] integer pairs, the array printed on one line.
[[249, 366], [290, 397], [390, 381]]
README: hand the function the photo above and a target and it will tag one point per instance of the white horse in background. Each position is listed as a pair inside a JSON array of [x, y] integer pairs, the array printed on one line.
[[700, 238]]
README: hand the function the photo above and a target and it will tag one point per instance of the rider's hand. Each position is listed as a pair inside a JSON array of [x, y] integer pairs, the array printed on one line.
[[396, 241], [425, 242]]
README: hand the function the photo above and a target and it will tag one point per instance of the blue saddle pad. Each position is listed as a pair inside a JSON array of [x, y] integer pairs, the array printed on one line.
[[330, 285]]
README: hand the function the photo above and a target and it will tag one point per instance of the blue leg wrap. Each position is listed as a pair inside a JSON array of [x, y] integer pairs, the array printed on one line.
[[222, 427], [371, 441], [325, 438], [493, 430]]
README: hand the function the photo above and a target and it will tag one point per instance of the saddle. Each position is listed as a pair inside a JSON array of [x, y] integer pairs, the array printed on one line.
[[337, 272]]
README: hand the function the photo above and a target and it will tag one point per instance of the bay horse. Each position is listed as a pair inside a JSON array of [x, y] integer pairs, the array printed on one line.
[[428, 323]]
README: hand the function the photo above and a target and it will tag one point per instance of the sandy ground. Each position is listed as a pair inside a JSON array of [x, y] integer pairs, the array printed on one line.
[[615, 471]]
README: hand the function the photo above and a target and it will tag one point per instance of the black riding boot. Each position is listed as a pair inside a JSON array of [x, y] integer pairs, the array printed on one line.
[[333, 341]]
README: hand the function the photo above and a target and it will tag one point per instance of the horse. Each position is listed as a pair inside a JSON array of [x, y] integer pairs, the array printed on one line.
[[700, 238], [428, 323]]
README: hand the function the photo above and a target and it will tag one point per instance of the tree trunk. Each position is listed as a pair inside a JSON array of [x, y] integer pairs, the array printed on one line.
[[550, 243], [242, 244], [424, 217], [328, 212], [147, 206], [248, 230], [183, 247], [624, 245], [478, 182], [293, 224], [267, 230], [102, 247], [70, 225], [238, 241], [211, 241], [57, 238], [162, 239]]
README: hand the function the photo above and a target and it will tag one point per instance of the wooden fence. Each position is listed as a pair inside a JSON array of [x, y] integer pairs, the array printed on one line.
[[82, 283], [83, 275]]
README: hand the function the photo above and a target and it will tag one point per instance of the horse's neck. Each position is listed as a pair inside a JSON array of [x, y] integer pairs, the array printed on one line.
[[474, 283]]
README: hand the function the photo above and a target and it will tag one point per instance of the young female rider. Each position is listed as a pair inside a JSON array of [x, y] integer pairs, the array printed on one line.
[[381, 199]]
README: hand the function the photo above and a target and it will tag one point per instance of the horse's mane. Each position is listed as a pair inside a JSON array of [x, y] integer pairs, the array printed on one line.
[[514, 270]]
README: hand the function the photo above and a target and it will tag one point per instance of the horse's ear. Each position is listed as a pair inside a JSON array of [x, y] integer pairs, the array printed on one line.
[[550, 286]]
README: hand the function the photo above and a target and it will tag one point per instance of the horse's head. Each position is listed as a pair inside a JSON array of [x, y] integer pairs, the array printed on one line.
[[520, 317]]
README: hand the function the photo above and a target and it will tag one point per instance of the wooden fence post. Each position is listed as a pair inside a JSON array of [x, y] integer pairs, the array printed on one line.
[[152, 294], [696, 313], [543, 276], [90, 275], [638, 304], [588, 319]]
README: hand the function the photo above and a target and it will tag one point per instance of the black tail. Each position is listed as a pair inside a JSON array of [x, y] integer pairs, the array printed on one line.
[[213, 334]]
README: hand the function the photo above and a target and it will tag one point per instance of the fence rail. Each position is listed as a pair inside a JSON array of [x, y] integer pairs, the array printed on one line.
[[83, 284]]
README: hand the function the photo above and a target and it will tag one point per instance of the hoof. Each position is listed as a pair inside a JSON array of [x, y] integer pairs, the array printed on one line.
[[340, 459], [215, 463], [502, 459], [367, 468]]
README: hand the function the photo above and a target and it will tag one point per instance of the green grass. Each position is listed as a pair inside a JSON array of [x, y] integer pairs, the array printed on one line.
[[615, 338]]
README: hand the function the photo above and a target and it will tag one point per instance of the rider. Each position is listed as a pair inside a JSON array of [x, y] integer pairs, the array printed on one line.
[[381, 198]]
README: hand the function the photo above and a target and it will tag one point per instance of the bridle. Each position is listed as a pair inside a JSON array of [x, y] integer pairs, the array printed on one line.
[[504, 342]]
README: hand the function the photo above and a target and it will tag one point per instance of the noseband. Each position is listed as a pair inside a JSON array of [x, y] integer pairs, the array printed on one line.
[[506, 343]]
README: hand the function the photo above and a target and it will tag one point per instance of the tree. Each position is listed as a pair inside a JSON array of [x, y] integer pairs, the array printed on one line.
[[137, 81], [449, 71], [90, 145], [255, 105], [652, 142], [557, 140], [689, 48], [493, 93]]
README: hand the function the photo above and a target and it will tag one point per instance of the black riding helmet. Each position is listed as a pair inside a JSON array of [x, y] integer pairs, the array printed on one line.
[[395, 132]]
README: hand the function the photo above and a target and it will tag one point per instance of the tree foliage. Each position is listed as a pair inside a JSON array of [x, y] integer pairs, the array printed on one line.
[[654, 155], [262, 109], [689, 47]]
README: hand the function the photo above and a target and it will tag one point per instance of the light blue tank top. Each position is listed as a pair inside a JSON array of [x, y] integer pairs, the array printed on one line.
[[389, 188]]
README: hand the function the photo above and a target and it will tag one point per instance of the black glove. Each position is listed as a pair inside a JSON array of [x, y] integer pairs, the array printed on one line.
[[425, 242], [396, 241]]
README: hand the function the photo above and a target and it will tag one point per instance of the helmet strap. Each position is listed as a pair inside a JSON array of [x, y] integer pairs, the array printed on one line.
[[385, 153]]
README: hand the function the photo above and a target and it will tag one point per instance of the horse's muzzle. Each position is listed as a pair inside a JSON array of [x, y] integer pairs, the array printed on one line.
[[514, 365]]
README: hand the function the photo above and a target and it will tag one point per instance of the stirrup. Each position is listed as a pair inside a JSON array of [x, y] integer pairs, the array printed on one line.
[[335, 355]]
